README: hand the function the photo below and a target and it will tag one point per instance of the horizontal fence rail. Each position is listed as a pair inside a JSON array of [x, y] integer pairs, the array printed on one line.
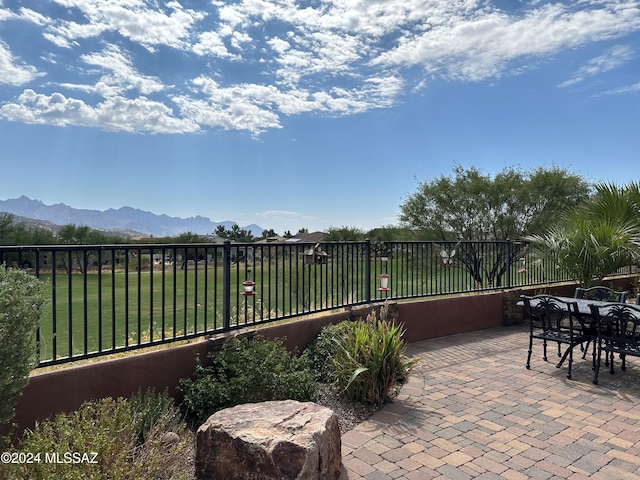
[[106, 299]]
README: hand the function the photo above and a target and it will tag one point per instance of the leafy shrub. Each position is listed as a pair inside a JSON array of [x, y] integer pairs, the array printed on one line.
[[112, 430], [246, 371], [321, 350], [21, 301], [370, 359]]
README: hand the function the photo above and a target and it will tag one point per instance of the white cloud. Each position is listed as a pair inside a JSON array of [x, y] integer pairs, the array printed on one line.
[[33, 16], [211, 43], [274, 58], [114, 114], [279, 45], [629, 89], [480, 45], [13, 71], [5, 14], [255, 107], [137, 20], [317, 53], [613, 58], [123, 75], [240, 107]]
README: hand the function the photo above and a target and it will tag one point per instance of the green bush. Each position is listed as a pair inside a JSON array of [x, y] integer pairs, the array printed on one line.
[[321, 350], [246, 371], [21, 300], [370, 359], [108, 431]]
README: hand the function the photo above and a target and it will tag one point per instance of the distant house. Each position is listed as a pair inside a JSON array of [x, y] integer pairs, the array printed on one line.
[[274, 239], [314, 237]]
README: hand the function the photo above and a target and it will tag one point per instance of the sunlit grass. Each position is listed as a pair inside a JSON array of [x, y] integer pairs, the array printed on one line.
[[112, 309]]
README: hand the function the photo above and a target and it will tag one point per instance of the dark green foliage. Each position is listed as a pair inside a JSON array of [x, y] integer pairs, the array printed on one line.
[[472, 205], [21, 301], [368, 357], [593, 240], [321, 350], [246, 371], [371, 361], [18, 233], [344, 234], [365, 359]]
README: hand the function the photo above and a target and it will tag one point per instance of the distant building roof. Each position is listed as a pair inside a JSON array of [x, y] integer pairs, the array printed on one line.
[[210, 239], [314, 237], [274, 239]]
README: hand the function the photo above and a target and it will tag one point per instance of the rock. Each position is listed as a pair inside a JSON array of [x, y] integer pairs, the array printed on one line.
[[170, 438], [278, 440]]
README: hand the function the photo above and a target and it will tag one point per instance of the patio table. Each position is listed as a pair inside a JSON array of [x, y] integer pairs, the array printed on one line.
[[588, 321], [583, 304]]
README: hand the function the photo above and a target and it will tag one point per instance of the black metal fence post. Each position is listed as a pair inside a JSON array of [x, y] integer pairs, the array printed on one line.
[[508, 266], [226, 285], [367, 270]]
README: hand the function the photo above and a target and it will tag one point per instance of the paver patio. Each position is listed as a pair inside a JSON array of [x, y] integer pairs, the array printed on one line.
[[470, 409]]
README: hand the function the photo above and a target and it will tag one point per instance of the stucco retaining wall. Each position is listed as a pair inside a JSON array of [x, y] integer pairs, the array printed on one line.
[[66, 389]]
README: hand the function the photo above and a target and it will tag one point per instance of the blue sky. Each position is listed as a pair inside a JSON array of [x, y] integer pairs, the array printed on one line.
[[308, 113]]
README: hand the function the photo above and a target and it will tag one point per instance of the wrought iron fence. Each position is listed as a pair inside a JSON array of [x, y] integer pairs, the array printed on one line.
[[110, 298]]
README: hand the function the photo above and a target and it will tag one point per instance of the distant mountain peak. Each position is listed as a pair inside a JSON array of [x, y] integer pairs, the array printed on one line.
[[25, 199], [125, 218]]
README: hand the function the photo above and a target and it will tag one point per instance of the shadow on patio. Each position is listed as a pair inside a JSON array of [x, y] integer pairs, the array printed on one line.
[[471, 409]]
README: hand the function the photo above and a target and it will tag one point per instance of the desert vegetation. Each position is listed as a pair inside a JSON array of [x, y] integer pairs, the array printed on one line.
[[149, 436]]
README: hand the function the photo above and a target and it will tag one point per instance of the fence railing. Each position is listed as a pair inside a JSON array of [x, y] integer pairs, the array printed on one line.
[[110, 298]]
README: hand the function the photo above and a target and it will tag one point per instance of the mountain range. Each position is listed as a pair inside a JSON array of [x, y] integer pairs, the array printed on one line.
[[126, 219]]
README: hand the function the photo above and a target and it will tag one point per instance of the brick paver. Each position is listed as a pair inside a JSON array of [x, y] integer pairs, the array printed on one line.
[[470, 409]]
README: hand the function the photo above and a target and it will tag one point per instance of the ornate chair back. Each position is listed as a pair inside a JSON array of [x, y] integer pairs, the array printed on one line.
[[602, 294], [618, 327]]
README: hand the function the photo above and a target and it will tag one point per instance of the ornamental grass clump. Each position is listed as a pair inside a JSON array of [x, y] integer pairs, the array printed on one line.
[[21, 301], [370, 359]]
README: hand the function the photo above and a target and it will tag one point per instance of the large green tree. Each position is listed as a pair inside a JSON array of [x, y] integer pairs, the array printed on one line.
[[472, 206], [344, 234], [390, 233], [235, 233], [268, 232]]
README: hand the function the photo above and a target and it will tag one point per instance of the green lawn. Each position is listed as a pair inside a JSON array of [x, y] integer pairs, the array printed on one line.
[[123, 309], [115, 309]]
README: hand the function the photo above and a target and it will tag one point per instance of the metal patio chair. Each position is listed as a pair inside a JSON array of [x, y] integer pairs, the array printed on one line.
[[601, 294], [554, 320], [618, 327]]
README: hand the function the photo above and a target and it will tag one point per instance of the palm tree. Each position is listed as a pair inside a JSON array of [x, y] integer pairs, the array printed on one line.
[[597, 238]]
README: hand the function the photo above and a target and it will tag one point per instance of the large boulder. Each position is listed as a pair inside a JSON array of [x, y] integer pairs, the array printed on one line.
[[278, 440]]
